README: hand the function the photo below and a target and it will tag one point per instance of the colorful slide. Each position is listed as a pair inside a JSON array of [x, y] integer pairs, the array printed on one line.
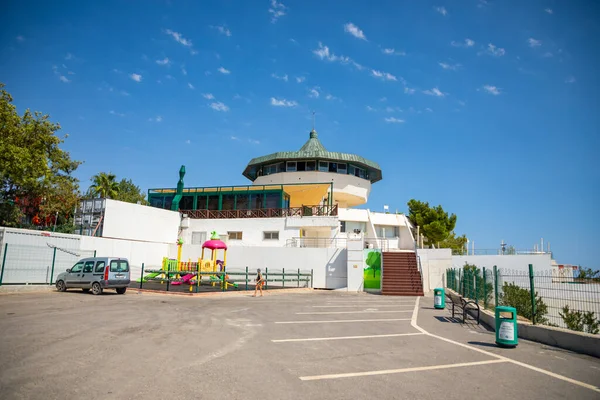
[[150, 276], [185, 279]]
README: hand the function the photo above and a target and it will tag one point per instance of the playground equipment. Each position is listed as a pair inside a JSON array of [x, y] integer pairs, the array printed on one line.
[[210, 265]]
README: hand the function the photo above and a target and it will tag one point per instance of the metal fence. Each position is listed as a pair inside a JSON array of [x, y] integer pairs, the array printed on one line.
[[229, 279], [31, 265], [543, 297]]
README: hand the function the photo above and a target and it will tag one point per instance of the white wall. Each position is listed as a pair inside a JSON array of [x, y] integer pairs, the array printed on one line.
[[540, 262], [355, 265], [132, 221], [434, 263]]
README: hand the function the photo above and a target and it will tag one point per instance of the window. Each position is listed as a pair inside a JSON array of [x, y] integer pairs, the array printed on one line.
[[342, 226], [198, 237], [291, 166], [186, 203], [351, 226], [77, 268], [332, 167], [168, 202], [234, 235], [271, 235], [157, 202], [88, 266], [228, 202], [341, 169], [256, 201], [119, 266], [310, 165], [213, 202], [323, 166], [99, 267], [273, 200], [241, 202], [387, 231], [201, 202]]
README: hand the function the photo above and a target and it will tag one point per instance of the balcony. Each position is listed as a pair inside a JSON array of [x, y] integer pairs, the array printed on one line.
[[298, 212]]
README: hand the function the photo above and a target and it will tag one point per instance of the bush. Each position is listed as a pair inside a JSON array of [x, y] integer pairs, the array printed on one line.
[[487, 290], [520, 298], [581, 322]]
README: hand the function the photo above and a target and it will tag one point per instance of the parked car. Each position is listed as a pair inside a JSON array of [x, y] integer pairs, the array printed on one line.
[[97, 274]]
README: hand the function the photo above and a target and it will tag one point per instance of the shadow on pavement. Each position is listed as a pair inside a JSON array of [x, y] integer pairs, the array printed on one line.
[[483, 344]]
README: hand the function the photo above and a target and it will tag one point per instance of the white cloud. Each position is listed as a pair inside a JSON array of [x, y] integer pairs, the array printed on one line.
[[178, 37], [491, 90], [300, 79], [234, 138], [393, 52], [283, 102], [117, 71], [570, 79], [253, 141], [314, 92], [223, 30], [183, 70], [393, 120], [369, 108], [20, 38], [208, 96], [428, 109], [549, 10], [452, 67], [218, 106], [136, 77], [157, 119], [277, 10], [383, 75], [164, 61], [64, 79], [281, 78], [467, 43], [534, 42], [188, 141], [112, 112], [191, 86], [434, 92], [383, 99], [390, 109], [330, 97], [482, 3], [224, 71], [354, 31], [442, 10], [323, 53], [495, 51], [124, 93], [547, 54], [69, 56], [408, 90]]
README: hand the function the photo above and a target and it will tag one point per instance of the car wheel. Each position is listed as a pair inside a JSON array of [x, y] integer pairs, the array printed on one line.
[[85, 290], [121, 290], [61, 287], [96, 288]]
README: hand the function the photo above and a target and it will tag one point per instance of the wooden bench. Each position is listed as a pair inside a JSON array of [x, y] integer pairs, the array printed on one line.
[[462, 305]]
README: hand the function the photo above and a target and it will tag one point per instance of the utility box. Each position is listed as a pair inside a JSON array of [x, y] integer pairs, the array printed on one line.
[[506, 327], [439, 298]]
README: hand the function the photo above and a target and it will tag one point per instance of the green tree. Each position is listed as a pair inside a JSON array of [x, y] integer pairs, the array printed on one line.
[[588, 273], [104, 185], [454, 242], [435, 223], [35, 173], [127, 191], [580, 321], [520, 298]]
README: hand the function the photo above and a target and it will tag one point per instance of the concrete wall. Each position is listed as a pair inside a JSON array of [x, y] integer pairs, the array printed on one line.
[[355, 264], [132, 221], [434, 263], [540, 262]]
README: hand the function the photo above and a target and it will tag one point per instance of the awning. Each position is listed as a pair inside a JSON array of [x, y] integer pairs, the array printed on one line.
[[309, 194]]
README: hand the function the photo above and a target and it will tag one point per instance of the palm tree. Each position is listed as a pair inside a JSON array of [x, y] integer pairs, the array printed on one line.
[[105, 185]]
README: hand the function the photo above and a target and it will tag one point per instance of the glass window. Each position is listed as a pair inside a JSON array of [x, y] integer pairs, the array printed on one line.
[[213, 202], [361, 173], [88, 266], [186, 203], [241, 202], [342, 226], [310, 165], [386, 231], [281, 167], [77, 267], [198, 237], [341, 169], [351, 226], [201, 203], [273, 200], [301, 166], [291, 166], [234, 235], [228, 202], [157, 201], [168, 202], [271, 235], [351, 169], [119, 266], [100, 267], [256, 201], [323, 166], [332, 167]]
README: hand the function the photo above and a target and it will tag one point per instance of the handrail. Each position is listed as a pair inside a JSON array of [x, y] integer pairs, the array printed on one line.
[[303, 211]]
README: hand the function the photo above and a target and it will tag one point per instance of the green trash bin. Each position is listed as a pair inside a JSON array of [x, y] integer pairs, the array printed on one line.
[[506, 326], [439, 298]]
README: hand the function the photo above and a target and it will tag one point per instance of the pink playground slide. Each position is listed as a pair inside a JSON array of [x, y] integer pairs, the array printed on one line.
[[185, 279]]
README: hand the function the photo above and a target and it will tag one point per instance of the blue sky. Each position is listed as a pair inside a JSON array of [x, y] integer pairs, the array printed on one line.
[[486, 107]]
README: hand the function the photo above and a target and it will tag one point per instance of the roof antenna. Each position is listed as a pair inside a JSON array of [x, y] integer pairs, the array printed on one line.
[[313, 120]]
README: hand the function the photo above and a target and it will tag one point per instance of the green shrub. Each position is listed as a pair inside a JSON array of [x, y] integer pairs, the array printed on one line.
[[520, 298], [580, 321]]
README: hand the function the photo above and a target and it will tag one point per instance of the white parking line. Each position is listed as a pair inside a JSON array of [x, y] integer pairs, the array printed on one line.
[[343, 320], [346, 337], [351, 312], [398, 371], [361, 305]]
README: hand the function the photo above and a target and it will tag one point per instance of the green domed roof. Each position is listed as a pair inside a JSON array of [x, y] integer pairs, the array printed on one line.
[[313, 149]]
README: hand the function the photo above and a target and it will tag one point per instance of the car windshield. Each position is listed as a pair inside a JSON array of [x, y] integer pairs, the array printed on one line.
[[119, 266]]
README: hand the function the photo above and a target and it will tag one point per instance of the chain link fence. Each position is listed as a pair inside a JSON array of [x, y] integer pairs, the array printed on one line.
[[543, 297]]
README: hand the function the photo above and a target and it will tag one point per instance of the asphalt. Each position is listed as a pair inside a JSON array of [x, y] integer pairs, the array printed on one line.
[[153, 346]]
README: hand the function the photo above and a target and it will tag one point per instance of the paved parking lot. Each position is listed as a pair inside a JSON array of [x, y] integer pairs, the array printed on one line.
[[312, 345]]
